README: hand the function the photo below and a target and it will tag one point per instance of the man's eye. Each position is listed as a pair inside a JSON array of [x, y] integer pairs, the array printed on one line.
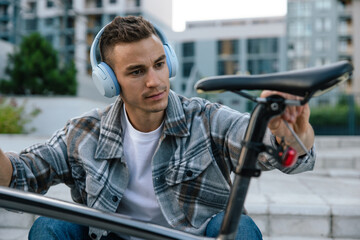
[[136, 72], [159, 64]]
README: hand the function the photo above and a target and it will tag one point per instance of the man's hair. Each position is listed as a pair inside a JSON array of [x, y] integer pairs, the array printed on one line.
[[123, 30]]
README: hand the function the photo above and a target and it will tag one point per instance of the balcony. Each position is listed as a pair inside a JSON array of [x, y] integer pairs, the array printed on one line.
[[5, 2], [4, 17], [93, 4], [345, 10]]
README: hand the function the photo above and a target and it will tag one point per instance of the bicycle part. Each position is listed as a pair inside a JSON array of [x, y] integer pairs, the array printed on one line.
[[288, 157], [305, 82], [80, 214], [298, 139], [247, 167]]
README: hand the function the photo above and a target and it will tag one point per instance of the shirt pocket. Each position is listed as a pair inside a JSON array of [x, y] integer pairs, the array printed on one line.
[[199, 187], [188, 167], [93, 188]]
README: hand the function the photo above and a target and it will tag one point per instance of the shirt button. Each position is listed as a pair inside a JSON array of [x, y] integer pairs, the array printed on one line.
[[189, 173], [93, 236], [115, 198]]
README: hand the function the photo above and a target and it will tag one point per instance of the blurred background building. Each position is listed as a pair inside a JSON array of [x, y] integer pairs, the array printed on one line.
[[320, 32], [313, 33]]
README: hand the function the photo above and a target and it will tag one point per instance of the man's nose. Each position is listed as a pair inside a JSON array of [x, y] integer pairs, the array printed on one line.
[[152, 78]]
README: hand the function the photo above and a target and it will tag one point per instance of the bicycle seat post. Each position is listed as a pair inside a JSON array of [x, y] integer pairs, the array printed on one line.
[[247, 164]]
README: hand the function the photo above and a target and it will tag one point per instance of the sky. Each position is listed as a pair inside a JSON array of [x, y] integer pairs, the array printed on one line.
[[193, 10]]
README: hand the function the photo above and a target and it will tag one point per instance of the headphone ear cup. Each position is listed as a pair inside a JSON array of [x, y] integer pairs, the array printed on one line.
[[105, 80], [171, 60]]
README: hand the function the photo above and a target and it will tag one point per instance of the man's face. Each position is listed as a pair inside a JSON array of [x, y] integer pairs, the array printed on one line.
[[143, 75]]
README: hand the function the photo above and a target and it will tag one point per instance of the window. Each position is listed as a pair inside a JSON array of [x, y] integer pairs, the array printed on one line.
[[322, 61], [49, 21], [188, 49], [133, 3], [32, 7], [323, 24], [227, 67], [69, 40], [228, 47], [31, 24], [187, 67], [323, 4], [70, 22], [94, 21], [50, 3], [260, 46], [262, 66], [50, 38], [112, 16], [322, 44]]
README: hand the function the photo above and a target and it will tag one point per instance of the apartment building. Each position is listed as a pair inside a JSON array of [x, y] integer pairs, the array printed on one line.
[[324, 31], [71, 25], [314, 32], [222, 47], [9, 11]]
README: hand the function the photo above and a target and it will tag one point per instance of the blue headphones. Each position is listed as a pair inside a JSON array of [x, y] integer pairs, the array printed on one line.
[[104, 77]]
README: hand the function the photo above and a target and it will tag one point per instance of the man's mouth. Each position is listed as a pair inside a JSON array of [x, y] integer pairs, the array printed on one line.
[[156, 96]]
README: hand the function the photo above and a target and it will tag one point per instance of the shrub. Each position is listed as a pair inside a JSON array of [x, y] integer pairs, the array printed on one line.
[[13, 117]]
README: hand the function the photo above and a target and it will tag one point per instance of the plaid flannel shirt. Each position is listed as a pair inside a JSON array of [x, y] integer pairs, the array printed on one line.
[[87, 155]]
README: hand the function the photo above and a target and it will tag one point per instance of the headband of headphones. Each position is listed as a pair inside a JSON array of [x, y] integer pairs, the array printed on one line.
[[104, 77]]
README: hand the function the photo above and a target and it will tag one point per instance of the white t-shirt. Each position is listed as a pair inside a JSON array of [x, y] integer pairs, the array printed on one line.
[[139, 201]]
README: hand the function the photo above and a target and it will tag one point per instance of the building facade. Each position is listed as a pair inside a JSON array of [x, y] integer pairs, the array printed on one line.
[[226, 47], [320, 32], [72, 25], [314, 33]]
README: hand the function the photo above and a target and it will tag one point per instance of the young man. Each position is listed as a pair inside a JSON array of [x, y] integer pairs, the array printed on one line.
[[152, 154]]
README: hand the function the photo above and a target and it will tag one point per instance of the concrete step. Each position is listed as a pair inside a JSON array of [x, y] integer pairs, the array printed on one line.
[[338, 158], [337, 142], [13, 234], [305, 205]]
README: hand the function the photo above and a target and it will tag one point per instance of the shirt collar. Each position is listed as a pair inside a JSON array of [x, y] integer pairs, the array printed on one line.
[[175, 121], [110, 139]]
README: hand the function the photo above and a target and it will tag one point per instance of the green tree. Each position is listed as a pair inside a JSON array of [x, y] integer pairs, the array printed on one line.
[[34, 69]]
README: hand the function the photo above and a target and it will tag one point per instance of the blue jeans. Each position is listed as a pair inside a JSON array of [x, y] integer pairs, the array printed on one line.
[[247, 229], [50, 229]]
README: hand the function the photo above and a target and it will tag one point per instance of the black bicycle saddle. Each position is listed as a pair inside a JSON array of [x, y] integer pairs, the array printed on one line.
[[305, 82]]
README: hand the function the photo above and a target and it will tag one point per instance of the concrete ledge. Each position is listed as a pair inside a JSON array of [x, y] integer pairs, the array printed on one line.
[[305, 205], [348, 158], [9, 219], [13, 234], [346, 221], [335, 142]]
